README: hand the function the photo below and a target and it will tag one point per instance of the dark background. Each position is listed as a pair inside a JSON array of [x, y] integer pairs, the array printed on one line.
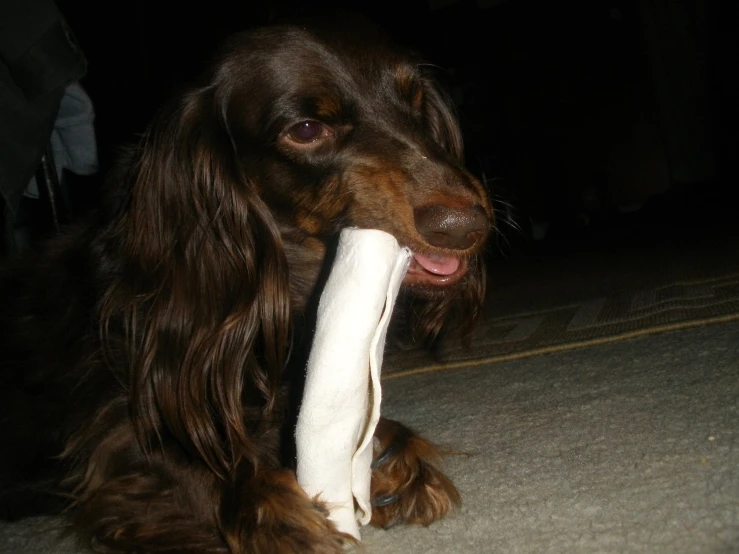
[[584, 117]]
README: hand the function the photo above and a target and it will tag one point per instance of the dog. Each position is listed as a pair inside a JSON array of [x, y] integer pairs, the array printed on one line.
[[146, 353]]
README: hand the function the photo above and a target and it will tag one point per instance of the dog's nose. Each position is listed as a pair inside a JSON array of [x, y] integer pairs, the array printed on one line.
[[451, 227]]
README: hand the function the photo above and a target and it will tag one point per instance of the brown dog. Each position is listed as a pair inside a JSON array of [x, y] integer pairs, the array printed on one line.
[[148, 347]]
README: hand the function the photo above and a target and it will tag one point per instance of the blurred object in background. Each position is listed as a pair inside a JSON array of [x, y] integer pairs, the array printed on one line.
[[39, 59]]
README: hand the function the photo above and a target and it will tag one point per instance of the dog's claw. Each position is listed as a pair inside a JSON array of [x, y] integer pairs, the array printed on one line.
[[385, 500], [391, 451]]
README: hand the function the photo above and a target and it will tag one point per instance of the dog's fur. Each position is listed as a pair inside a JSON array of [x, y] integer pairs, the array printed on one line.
[[144, 354]]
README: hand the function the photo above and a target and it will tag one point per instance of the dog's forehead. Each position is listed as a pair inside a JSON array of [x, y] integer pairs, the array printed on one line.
[[353, 55], [312, 71]]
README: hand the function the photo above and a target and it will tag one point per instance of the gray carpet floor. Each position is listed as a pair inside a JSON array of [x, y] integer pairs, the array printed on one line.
[[629, 447], [626, 447]]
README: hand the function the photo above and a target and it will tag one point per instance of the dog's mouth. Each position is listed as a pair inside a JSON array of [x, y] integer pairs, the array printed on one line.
[[437, 270]]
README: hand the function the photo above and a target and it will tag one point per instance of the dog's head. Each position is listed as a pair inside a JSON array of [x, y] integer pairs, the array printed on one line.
[[338, 128]]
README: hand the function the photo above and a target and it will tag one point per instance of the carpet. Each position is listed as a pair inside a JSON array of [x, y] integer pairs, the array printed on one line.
[[630, 447]]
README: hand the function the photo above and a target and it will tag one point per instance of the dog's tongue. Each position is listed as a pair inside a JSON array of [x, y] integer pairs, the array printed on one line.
[[437, 264]]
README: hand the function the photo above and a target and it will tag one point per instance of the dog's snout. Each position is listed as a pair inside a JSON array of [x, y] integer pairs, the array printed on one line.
[[448, 227]]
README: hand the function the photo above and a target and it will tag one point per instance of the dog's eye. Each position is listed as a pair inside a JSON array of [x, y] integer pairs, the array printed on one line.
[[306, 132]]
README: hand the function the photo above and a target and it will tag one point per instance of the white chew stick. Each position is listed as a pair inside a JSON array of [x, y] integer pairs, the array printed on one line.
[[341, 402]]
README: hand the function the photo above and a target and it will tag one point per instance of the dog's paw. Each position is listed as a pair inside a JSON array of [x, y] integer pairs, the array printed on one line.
[[407, 484], [277, 517]]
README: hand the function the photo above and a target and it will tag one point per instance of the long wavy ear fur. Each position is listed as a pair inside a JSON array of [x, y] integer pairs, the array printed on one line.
[[200, 304]]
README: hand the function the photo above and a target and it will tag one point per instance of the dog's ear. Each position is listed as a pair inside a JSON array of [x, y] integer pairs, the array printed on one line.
[[202, 291], [441, 119]]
